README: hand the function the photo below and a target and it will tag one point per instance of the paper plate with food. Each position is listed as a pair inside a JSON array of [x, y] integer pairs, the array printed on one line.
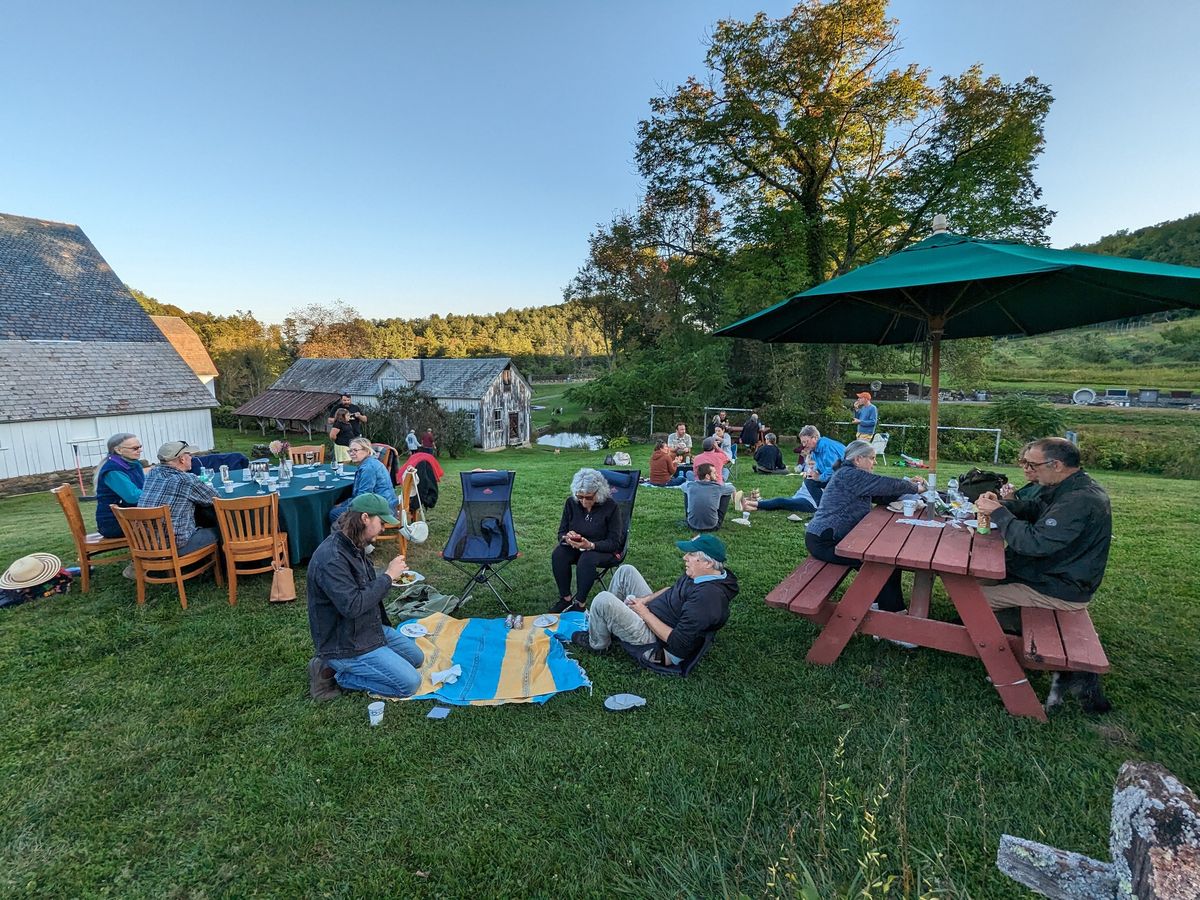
[[407, 578]]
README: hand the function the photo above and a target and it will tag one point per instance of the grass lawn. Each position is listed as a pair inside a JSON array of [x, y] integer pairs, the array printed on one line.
[[152, 752], [552, 396]]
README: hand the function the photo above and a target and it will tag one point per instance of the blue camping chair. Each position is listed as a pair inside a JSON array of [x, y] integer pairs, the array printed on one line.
[[483, 540], [624, 484], [216, 460]]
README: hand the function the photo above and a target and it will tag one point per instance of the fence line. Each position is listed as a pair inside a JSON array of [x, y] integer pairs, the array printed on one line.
[[905, 427]]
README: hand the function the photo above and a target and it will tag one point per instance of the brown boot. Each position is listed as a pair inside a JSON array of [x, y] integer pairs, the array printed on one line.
[[321, 684]]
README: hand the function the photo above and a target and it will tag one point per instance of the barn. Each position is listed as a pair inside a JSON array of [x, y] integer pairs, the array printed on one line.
[[491, 391], [80, 359]]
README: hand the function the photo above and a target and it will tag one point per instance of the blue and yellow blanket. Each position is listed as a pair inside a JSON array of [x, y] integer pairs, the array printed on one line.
[[499, 664]]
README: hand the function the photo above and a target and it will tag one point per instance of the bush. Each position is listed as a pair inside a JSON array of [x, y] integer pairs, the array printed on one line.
[[1024, 418], [400, 409], [223, 417]]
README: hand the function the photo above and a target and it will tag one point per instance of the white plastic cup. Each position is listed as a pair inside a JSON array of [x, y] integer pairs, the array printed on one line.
[[321, 476], [229, 487], [246, 474], [375, 712], [910, 508]]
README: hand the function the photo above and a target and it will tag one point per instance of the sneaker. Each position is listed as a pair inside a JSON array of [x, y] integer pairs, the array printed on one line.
[[128, 572], [742, 520], [582, 639], [321, 682], [795, 517], [737, 500]]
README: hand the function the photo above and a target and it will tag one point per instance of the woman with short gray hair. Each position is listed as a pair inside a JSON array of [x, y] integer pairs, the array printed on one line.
[[119, 480], [591, 535], [846, 501]]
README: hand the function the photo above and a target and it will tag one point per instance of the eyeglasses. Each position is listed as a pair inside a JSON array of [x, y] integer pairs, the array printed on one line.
[[138, 447], [1026, 464], [582, 496]]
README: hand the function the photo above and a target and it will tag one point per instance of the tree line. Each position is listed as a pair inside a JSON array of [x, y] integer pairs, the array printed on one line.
[[250, 354]]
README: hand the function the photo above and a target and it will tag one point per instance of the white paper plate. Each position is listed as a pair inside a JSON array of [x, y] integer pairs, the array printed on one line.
[[416, 578], [546, 620], [414, 630]]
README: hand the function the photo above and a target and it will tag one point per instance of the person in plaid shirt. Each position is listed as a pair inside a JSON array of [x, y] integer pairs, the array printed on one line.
[[172, 484]]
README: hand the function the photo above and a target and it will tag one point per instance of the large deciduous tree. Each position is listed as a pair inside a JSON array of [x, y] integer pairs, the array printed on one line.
[[811, 120]]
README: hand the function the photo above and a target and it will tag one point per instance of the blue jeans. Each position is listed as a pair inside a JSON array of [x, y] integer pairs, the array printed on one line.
[[201, 538], [796, 504], [389, 671]]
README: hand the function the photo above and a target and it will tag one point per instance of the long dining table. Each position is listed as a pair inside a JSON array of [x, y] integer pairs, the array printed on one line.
[[304, 503]]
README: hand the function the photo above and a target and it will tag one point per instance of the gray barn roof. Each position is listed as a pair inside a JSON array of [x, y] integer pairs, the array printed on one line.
[[73, 340], [463, 378], [459, 378], [331, 376]]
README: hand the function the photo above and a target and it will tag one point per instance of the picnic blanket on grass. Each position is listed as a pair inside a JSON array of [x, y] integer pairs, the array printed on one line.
[[499, 664]]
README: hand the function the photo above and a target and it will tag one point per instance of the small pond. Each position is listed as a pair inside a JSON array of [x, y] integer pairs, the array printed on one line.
[[571, 441]]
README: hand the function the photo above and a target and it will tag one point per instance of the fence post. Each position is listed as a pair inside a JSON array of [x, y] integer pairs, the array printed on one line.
[[996, 455]]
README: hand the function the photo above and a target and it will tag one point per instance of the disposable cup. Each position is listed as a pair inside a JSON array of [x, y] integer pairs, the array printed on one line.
[[910, 508], [321, 476], [229, 487], [375, 712]]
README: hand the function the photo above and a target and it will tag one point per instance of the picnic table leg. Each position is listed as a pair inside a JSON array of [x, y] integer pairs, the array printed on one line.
[[848, 614], [922, 593], [992, 647]]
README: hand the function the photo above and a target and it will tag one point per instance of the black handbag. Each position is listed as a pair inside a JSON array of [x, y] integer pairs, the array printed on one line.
[[977, 482]]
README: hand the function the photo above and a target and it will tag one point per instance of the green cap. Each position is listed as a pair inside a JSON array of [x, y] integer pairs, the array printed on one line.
[[708, 544], [374, 505]]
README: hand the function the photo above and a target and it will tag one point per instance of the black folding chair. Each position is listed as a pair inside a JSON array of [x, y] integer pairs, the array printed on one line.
[[624, 484], [483, 540]]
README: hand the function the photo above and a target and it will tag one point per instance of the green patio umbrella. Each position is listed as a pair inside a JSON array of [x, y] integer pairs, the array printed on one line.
[[953, 286]]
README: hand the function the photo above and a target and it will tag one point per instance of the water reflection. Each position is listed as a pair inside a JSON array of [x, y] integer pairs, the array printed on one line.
[[572, 441]]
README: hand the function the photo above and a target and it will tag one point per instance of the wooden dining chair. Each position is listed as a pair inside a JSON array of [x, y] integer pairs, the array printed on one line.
[[88, 546], [250, 537], [407, 493], [156, 559], [307, 453]]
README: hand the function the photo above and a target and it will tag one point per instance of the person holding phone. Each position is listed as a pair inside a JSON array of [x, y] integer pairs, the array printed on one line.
[[591, 534]]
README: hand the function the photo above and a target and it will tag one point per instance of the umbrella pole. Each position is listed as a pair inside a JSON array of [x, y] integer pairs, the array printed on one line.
[[935, 363]]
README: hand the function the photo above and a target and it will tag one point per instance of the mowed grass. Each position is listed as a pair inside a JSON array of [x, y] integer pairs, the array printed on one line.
[[157, 752]]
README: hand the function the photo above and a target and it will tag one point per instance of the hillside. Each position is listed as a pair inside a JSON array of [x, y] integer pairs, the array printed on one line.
[[1177, 242]]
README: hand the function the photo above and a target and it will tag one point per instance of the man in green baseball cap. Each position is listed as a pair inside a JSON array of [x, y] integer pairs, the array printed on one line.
[[357, 648], [675, 621]]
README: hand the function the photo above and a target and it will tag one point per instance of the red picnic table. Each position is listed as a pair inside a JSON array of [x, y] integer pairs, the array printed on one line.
[[959, 556]]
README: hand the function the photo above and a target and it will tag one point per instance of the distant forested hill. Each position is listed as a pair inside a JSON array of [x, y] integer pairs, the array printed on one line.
[[1169, 242]]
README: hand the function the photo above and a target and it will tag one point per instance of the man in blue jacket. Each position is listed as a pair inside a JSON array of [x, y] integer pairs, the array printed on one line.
[[866, 416], [676, 619], [820, 455]]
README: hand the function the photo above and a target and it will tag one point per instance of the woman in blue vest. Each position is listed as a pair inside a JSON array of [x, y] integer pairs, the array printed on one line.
[[119, 480]]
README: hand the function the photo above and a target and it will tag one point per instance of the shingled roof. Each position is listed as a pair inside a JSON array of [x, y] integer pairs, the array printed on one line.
[[73, 340], [458, 378], [187, 344], [463, 378], [358, 376]]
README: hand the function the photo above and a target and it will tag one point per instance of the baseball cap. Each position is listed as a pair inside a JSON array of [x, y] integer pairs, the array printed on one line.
[[708, 544], [175, 449], [374, 505], [863, 395]]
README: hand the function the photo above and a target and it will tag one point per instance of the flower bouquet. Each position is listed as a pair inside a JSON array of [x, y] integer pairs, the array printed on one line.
[[280, 448]]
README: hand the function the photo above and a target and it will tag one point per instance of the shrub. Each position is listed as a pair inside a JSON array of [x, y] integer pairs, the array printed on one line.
[[1024, 418], [400, 409], [223, 417]]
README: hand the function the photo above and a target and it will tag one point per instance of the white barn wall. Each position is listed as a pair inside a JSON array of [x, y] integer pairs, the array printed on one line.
[[454, 404], [42, 446]]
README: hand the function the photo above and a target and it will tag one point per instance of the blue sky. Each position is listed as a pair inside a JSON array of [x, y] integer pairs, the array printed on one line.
[[453, 157]]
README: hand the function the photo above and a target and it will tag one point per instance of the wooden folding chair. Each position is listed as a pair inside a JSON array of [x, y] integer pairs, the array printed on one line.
[[152, 542], [250, 537], [87, 546], [307, 453]]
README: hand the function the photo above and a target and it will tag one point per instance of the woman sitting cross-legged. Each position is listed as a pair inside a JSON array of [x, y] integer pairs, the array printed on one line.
[[371, 477], [768, 460], [664, 466], [590, 535], [845, 501]]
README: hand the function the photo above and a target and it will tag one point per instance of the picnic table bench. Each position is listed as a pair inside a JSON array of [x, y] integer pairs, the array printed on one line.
[[962, 558]]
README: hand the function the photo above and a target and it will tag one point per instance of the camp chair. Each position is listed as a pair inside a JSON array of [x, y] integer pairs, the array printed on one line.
[[483, 540], [87, 546], [390, 457], [307, 453], [250, 536], [879, 442], [638, 651], [214, 461], [156, 559], [624, 485]]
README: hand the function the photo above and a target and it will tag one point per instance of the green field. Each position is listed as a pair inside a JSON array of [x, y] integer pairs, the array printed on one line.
[[552, 396], [156, 752]]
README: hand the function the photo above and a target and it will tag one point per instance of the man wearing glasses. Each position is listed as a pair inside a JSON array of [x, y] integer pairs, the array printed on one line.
[[1057, 541], [172, 484]]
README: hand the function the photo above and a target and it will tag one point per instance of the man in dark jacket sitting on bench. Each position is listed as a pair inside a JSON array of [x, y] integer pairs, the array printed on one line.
[[676, 619], [1057, 542]]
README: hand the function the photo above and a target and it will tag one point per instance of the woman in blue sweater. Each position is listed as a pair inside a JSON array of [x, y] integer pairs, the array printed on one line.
[[119, 481], [370, 478], [847, 499]]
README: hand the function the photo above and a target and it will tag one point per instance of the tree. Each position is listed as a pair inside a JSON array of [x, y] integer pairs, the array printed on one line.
[[809, 117]]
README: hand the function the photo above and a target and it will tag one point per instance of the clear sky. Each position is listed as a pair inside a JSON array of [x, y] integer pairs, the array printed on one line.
[[453, 157]]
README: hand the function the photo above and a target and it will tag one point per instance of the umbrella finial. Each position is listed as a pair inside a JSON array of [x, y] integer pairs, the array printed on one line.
[[940, 224]]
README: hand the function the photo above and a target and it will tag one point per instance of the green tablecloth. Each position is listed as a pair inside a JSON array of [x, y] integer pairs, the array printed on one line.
[[304, 504]]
